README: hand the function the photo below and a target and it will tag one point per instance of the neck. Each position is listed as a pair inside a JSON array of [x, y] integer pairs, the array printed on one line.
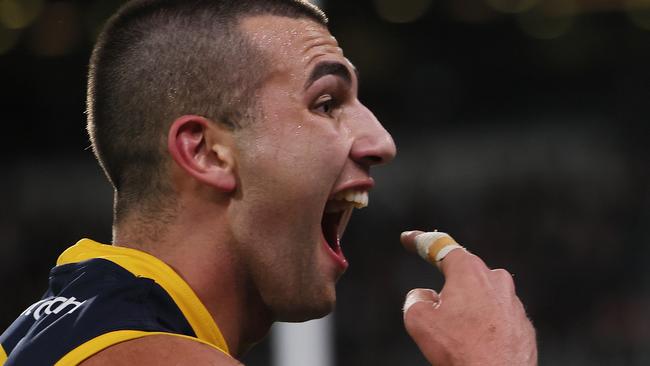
[[207, 261]]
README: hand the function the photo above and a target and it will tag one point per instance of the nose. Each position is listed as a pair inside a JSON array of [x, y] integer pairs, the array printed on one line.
[[372, 145]]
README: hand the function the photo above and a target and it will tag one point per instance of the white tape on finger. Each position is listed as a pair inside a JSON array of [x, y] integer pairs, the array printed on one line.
[[424, 241], [434, 246], [446, 250]]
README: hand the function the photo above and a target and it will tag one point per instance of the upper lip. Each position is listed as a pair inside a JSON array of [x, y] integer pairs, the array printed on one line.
[[358, 184]]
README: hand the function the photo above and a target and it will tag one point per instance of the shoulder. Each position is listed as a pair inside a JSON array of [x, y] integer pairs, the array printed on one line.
[[161, 350]]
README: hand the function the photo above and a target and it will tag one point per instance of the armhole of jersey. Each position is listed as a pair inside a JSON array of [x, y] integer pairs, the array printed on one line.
[[100, 343], [3, 355]]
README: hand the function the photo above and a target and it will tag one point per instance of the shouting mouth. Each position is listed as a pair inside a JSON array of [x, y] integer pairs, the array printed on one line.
[[336, 217]]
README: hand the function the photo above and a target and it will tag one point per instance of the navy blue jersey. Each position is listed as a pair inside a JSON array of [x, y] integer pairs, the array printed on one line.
[[100, 295]]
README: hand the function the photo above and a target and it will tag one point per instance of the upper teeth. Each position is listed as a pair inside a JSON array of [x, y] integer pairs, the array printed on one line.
[[359, 199]]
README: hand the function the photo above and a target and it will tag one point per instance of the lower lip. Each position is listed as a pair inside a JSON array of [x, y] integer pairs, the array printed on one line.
[[338, 258]]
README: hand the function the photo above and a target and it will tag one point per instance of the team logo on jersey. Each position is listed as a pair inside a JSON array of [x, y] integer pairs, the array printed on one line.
[[53, 305]]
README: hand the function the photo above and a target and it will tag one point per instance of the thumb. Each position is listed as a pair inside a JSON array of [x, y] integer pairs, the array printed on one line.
[[422, 296], [419, 306]]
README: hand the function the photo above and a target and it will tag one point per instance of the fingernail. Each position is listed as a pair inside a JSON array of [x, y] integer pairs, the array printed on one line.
[[410, 301], [407, 233]]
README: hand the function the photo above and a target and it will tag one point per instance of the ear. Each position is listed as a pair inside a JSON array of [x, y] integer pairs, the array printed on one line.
[[203, 149]]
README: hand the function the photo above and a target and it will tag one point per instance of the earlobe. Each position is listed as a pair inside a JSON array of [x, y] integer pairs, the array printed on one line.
[[202, 150]]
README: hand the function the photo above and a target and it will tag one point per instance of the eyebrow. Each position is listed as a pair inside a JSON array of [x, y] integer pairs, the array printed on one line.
[[330, 68]]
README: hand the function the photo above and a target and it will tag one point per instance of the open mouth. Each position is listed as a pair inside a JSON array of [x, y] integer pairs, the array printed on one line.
[[337, 215]]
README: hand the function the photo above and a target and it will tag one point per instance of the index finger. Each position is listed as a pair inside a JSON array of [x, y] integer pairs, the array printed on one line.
[[432, 246], [439, 248]]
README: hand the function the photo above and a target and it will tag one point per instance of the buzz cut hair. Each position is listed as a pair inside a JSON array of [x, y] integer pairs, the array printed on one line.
[[157, 60]]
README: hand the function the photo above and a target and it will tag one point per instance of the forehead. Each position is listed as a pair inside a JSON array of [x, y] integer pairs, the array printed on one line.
[[292, 42]]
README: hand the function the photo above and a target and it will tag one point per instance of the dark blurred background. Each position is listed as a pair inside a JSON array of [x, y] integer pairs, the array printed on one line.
[[522, 129]]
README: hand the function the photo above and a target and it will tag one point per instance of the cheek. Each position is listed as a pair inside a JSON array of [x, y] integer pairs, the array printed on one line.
[[302, 154], [287, 183]]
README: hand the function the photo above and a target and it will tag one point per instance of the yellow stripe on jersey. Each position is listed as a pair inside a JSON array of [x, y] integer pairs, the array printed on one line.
[[3, 355], [93, 346], [145, 265]]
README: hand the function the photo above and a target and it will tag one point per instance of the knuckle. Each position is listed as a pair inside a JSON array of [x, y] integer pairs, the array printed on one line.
[[502, 274], [503, 277]]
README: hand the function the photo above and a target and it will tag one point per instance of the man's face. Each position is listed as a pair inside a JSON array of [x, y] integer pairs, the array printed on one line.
[[302, 167]]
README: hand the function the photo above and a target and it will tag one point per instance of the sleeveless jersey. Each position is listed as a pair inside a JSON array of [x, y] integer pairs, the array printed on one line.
[[100, 295]]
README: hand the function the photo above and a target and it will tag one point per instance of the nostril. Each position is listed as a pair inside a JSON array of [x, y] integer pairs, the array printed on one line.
[[370, 160], [373, 159]]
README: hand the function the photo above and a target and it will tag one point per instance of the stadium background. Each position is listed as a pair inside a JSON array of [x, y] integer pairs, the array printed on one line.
[[522, 129]]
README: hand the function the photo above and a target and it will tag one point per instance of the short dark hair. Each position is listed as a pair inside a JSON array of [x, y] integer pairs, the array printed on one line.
[[157, 60]]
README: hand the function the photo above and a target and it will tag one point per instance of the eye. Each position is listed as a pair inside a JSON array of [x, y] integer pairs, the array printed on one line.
[[325, 105]]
